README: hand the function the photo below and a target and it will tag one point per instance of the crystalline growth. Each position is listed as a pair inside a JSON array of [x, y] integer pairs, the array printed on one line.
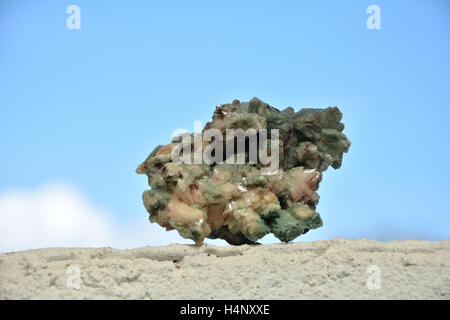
[[220, 184]]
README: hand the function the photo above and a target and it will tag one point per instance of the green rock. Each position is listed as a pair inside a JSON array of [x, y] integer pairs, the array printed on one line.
[[242, 202], [285, 227]]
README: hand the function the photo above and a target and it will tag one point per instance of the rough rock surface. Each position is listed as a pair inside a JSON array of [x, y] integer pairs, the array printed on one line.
[[242, 202], [334, 269]]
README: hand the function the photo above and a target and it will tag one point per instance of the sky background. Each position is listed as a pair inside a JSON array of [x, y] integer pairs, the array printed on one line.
[[80, 109]]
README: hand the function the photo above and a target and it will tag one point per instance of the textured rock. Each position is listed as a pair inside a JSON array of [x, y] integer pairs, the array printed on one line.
[[335, 269], [243, 202]]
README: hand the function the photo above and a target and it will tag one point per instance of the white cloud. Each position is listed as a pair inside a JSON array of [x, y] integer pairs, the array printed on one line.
[[51, 215], [59, 215]]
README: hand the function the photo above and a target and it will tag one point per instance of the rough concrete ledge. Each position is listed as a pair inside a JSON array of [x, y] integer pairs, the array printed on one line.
[[334, 269]]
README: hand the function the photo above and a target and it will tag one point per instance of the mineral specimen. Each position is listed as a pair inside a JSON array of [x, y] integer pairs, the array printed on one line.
[[209, 193]]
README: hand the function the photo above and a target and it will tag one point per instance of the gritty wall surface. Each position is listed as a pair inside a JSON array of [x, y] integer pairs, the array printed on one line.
[[334, 269]]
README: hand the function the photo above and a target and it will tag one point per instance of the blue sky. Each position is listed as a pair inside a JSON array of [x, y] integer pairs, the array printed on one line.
[[83, 108]]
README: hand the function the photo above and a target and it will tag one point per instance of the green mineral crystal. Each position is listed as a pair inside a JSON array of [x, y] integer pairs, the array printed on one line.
[[239, 201]]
